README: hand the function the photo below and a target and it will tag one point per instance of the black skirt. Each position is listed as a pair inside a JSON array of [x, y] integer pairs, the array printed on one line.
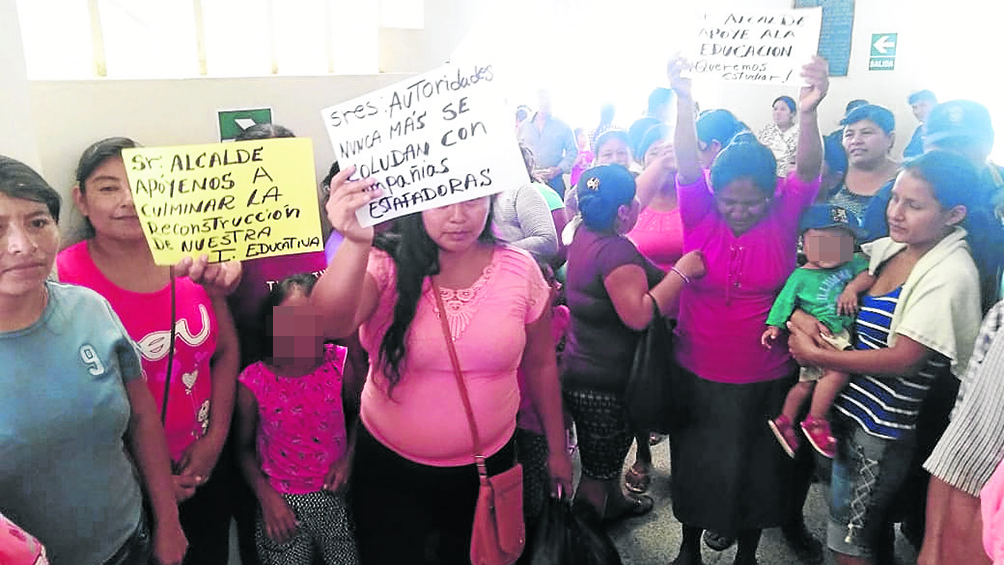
[[729, 473]]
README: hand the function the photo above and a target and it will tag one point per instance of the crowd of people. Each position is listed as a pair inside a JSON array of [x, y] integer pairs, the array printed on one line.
[[835, 313]]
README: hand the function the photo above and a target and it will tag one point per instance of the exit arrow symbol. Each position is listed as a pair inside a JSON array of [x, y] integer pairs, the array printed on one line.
[[883, 44], [244, 123]]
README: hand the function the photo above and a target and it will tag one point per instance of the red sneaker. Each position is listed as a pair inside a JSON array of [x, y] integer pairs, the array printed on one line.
[[785, 434], [819, 435]]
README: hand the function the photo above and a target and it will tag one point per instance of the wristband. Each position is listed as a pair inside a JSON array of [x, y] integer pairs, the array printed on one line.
[[686, 279]]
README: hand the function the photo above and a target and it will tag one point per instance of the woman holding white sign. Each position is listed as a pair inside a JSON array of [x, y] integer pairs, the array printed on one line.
[[413, 484], [185, 337]]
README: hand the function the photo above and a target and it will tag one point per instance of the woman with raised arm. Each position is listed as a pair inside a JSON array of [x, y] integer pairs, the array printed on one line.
[[728, 475], [413, 484]]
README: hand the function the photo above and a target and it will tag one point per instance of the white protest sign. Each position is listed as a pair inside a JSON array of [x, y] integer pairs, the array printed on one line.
[[746, 45], [436, 139]]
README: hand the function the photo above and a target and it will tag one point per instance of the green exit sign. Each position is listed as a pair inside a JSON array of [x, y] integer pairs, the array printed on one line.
[[233, 122], [883, 52]]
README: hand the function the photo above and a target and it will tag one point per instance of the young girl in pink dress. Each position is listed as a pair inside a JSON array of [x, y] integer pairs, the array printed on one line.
[[293, 446]]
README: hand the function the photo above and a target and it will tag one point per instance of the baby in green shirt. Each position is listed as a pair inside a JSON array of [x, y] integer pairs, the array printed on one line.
[[826, 287]]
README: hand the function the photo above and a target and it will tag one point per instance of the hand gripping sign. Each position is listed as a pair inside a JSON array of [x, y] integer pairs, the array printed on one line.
[[432, 140], [236, 200]]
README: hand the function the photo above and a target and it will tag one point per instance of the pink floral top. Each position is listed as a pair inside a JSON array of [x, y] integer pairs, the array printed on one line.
[[18, 547], [422, 418], [301, 423], [723, 314], [659, 236]]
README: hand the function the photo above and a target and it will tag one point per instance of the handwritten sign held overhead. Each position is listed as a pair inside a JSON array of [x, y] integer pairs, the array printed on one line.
[[240, 200], [766, 47], [436, 139]]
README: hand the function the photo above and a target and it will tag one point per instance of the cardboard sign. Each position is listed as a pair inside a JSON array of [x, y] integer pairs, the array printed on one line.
[[230, 201], [766, 47], [433, 140]]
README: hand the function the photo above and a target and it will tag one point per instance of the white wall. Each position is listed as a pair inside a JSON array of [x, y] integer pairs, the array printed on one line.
[[17, 139], [66, 116]]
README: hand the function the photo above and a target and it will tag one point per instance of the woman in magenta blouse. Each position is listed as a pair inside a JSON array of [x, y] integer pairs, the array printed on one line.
[[727, 476]]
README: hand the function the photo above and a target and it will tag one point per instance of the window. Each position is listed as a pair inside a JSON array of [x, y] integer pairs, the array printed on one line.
[[78, 39]]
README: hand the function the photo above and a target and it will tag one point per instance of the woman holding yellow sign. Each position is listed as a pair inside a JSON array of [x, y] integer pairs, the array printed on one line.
[[184, 335]]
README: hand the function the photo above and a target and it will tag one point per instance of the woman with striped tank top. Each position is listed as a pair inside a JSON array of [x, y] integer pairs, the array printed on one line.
[[917, 324]]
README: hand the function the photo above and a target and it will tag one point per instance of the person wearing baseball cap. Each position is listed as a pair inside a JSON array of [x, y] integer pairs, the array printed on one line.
[[921, 102], [827, 287]]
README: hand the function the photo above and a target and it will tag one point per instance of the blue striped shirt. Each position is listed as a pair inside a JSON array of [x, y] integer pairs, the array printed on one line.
[[885, 406]]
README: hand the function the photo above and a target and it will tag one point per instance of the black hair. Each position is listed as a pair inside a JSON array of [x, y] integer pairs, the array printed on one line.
[[91, 159], [20, 181], [718, 125], [659, 97], [264, 131], [745, 157], [788, 101], [882, 117], [653, 134], [834, 154], [98, 153], [599, 203], [304, 282], [415, 256], [326, 181], [954, 181], [610, 135], [856, 103], [921, 95]]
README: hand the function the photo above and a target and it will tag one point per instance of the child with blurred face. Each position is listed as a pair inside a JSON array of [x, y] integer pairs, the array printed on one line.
[[827, 287]]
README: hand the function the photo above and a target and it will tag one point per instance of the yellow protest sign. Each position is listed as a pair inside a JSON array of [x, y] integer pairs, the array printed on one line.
[[229, 201]]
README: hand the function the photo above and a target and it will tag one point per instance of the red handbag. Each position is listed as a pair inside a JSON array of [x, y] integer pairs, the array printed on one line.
[[499, 534]]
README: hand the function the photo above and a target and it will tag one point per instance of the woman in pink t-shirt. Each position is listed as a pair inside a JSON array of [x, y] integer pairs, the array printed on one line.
[[726, 477], [414, 486], [116, 262]]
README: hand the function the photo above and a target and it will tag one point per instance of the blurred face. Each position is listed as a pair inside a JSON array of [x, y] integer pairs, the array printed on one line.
[[456, 227], [921, 109], [742, 204], [658, 149], [866, 144], [296, 331], [828, 248], [544, 102], [29, 240], [106, 200], [915, 216], [582, 141], [613, 151], [782, 115]]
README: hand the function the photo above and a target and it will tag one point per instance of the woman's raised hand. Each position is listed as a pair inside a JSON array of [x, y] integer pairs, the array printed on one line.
[[346, 197], [680, 84], [817, 74]]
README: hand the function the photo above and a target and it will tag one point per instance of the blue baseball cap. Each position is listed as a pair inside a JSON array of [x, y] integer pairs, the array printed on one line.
[[822, 216]]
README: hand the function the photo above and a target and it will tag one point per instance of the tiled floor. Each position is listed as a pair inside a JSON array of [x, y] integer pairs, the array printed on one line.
[[654, 539]]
